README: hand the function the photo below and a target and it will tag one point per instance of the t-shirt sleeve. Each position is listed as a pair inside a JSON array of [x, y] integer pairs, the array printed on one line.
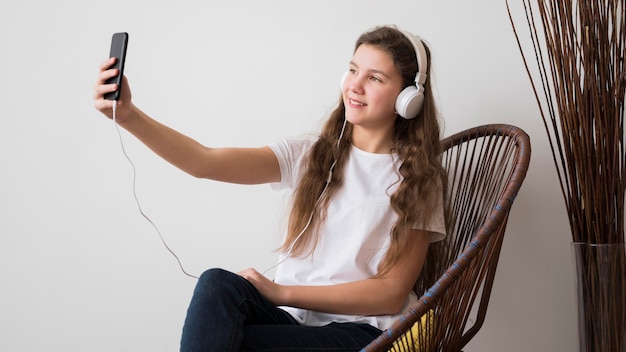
[[291, 155], [437, 224]]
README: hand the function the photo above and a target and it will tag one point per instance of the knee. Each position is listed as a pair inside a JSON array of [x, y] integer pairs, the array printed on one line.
[[218, 280], [215, 275], [218, 285]]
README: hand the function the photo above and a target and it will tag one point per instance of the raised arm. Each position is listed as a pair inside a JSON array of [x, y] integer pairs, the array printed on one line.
[[235, 165]]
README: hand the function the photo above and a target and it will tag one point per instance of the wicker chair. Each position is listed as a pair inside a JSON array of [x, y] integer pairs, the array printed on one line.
[[486, 166]]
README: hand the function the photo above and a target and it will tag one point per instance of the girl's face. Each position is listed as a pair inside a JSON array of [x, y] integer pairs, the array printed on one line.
[[370, 88]]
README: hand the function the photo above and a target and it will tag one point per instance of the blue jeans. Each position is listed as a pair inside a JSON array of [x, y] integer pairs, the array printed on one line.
[[227, 313]]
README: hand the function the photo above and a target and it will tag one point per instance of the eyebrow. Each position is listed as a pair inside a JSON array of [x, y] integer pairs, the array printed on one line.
[[382, 73]]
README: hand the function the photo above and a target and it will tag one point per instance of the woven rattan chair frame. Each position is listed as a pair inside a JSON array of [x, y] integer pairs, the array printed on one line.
[[486, 166]]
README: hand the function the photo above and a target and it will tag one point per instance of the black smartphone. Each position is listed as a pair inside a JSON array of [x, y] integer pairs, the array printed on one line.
[[119, 43]]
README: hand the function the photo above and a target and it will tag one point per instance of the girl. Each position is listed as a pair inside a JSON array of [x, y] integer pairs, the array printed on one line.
[[367, 201]]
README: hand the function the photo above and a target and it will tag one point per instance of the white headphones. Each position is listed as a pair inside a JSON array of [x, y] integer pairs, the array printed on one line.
[[410, 100]]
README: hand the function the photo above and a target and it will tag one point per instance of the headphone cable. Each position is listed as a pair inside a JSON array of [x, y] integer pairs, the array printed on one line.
[[137, 198]]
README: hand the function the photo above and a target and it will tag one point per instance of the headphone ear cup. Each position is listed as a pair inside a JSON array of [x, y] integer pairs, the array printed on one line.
[[343, 79], [409, 102]]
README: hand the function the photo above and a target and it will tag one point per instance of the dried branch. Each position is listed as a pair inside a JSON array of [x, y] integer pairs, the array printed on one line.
[[579, 47]]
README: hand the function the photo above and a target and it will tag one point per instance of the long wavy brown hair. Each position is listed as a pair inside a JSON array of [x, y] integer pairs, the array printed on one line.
[[416, 144]]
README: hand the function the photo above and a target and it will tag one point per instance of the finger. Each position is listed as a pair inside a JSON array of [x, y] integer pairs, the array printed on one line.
[[100, 102], [100, 90], [107, 63], [104, 104], [244, 272], [248, 274], [107, 74]]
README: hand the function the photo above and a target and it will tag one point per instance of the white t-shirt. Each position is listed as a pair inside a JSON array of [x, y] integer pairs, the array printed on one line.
[[356, 234]]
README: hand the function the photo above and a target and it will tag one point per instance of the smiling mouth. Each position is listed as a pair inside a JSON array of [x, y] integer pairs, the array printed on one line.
[[356, 102]]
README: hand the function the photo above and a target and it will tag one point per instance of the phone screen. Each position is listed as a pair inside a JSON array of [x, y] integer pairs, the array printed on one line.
[[119, 43]]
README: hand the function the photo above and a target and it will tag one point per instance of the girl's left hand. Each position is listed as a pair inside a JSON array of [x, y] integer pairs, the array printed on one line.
[[267, 287]]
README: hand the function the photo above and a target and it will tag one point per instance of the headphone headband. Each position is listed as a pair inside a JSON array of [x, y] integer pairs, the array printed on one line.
[[420, 53]]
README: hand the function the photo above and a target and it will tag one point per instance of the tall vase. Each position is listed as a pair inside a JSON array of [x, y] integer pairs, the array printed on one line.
[[601, 288]]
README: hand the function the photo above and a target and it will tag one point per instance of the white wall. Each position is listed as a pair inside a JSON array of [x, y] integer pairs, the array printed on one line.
[[81, 270]]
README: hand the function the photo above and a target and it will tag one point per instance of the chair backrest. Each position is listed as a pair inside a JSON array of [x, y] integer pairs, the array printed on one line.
[[486, 166]]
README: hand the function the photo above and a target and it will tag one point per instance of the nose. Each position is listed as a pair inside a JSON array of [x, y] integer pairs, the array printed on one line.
[[353, 82]]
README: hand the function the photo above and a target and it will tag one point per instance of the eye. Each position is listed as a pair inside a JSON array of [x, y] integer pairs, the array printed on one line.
[[375, 79]]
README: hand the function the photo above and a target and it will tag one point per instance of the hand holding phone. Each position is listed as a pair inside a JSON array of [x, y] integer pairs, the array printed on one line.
[[119, 43]]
